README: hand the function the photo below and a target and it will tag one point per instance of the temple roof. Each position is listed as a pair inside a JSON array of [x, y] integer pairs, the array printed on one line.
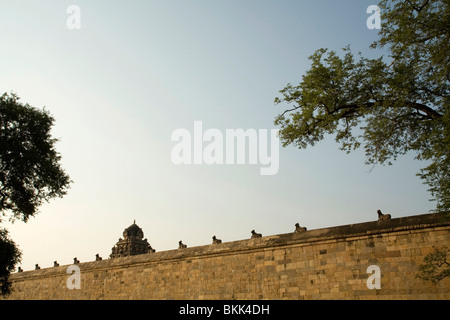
[[132, 244], [133, 231]]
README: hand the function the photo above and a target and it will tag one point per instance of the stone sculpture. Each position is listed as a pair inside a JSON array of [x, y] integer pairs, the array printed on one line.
[[299, 229], [383, 217], [181, 245], [256, 235]]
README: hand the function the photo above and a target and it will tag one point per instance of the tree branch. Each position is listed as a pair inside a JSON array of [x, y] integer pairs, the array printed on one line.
[[431, 113], [418, 9], [352, 108], [289, 110]]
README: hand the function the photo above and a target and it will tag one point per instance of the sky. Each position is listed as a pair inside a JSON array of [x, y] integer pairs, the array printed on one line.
[[135, 71]]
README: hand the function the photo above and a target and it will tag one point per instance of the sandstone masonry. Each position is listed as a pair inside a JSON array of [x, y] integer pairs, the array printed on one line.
[[328, 263]]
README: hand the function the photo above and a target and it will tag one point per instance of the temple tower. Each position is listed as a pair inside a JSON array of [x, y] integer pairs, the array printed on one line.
[[132, 243]]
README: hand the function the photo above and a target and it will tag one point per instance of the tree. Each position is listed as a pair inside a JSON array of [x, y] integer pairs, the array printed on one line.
[[9, 257], [389, 106], [435, 266], [30, 172]]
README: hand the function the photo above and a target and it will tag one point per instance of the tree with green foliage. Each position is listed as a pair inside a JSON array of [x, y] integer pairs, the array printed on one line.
[[390, 105], [30, 172]]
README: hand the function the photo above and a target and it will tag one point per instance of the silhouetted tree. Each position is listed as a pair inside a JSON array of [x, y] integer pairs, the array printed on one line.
[[30, 172]]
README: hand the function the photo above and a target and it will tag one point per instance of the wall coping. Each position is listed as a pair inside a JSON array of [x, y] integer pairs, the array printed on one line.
[[338, 233]]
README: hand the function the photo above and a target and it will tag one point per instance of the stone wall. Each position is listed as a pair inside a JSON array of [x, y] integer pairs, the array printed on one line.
[[329, 263]]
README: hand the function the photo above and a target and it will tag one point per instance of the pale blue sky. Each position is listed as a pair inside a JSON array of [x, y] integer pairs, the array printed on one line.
[[138, 70]]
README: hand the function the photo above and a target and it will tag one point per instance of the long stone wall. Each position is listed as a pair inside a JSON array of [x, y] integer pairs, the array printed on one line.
[[329, 263]]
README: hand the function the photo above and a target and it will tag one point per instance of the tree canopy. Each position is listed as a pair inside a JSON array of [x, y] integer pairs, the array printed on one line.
[[9, 257], [389, 105], [30, 171]]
